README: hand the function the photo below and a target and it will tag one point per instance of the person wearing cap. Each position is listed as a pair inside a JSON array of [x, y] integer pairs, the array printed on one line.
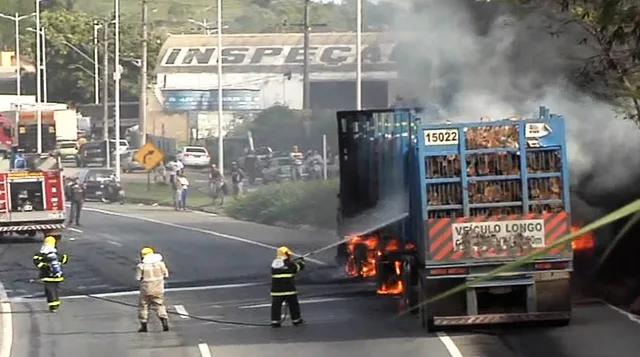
[[283, 286], [49, 263], [151, 272]]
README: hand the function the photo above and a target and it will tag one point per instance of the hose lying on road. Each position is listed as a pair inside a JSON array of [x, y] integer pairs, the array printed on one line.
[[195, 317]]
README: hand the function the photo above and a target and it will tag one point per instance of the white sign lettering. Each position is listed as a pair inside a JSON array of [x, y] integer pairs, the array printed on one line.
[[333, 55], [500, 235]]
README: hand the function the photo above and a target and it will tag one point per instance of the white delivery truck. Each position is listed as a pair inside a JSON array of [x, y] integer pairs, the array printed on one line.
[[66, 125]]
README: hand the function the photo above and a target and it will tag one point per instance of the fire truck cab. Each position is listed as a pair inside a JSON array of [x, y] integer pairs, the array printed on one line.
[[32, 198]]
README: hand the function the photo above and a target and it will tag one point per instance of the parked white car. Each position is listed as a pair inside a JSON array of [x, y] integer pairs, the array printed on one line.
[[122, 148], [194, 156]]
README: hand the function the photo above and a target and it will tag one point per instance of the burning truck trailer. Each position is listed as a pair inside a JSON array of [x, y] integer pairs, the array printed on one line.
[[432, 206]]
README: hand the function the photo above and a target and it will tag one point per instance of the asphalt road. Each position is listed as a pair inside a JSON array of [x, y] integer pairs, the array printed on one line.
[[207, 255]]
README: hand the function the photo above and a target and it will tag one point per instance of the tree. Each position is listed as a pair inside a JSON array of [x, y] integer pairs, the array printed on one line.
[[280, 128], [612, 31], [69, 50]]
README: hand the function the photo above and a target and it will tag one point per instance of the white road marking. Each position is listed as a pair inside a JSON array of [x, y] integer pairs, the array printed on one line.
[[193, 229], [206, 213], [204, 350], [632, 317], [7, 324], [117, 244], [168, 290], [449, 345], [182, 311], [74, 229], [309, 301]]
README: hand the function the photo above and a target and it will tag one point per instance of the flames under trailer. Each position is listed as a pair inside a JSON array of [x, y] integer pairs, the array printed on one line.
[[433, 206], [32, 199]]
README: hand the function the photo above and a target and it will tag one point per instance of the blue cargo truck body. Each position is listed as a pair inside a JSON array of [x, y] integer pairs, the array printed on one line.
[[431, 206]]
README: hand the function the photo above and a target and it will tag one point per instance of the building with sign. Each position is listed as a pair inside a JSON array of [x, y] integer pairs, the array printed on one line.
[[262, 70]]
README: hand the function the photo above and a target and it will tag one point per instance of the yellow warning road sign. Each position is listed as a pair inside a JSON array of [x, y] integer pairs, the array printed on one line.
[[149, 156]]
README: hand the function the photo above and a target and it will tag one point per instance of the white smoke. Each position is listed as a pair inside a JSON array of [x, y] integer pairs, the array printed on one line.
[[512, 70]]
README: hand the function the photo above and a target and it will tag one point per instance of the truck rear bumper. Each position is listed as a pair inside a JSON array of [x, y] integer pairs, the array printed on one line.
[[500, 318], [32, 227]]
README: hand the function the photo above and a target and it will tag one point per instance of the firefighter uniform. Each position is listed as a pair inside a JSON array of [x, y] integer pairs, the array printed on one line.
[[283, 287], [151, 273], [48, 261]]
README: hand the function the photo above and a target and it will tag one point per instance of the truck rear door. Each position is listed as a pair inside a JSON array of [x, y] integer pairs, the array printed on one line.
[[373, 149], [482, 201]]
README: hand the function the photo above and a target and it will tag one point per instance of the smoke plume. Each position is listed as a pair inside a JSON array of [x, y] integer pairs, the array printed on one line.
[[476, 60]]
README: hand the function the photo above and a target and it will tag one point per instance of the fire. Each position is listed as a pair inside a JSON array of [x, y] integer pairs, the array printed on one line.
[[394, 285], [362, 256], [364, 266], [583, 242]]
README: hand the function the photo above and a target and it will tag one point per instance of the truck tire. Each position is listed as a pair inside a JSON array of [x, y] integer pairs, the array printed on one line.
[[554, 295], [409, 293], [31, 233], [426, 321], [360, 252]]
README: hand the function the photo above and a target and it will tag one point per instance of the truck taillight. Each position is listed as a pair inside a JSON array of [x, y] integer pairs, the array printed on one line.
[[448, 271], [552, 266]]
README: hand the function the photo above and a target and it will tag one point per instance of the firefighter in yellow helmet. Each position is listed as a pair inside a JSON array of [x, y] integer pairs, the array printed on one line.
[[283, 286], [151, 272], [49, 263]]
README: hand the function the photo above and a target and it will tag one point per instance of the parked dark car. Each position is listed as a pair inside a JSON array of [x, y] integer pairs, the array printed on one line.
[[94, 181], [94, 153]]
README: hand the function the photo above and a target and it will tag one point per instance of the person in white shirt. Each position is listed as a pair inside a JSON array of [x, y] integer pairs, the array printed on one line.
[[173, 167], [181, 192]]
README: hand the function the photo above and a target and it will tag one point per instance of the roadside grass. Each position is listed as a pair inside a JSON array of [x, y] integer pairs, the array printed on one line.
[[137, 192], [300, 203]]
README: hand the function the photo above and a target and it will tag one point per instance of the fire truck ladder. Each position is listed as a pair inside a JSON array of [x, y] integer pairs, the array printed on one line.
[[4, 206]]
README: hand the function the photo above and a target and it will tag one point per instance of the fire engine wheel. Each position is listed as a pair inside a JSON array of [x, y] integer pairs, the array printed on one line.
[[31, 233], [409, 294]]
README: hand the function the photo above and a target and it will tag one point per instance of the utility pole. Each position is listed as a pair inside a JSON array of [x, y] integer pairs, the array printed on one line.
[[105, 89], [142, 124], [306, 28], [359, 54], [305, 68], [38, 79], [96, 65]]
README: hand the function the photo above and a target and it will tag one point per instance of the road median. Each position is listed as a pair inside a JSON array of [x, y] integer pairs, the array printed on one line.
[[299, 204], [161, 194]]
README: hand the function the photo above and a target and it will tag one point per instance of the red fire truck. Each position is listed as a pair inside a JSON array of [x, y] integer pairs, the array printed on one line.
[[32, 199]]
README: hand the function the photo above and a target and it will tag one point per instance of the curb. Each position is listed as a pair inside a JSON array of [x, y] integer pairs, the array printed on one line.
[[150, 202], [298, 227]]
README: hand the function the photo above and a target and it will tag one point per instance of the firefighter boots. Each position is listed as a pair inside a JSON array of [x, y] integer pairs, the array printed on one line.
[[165, 324], [143, 327]]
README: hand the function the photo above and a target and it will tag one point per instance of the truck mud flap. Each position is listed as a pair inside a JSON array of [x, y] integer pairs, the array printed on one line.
[[500, 318], [34, 227]]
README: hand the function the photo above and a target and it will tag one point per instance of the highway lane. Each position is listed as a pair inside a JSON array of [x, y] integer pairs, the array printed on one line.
[[249, 233], [596, 330], [339, 321]]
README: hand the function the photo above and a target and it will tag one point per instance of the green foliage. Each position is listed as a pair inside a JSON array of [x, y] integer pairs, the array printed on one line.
[[612, 30], [69, 73], [280, 128], [302, 203]]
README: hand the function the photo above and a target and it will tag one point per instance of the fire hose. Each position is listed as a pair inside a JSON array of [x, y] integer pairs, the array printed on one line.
[[195, 317]]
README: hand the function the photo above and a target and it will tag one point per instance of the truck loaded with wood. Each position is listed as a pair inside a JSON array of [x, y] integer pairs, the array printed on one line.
[[431, 205]]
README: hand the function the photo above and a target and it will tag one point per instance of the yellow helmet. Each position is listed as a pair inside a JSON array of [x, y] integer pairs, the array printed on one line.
[[146, 251], [50, 241], [283, 252]]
